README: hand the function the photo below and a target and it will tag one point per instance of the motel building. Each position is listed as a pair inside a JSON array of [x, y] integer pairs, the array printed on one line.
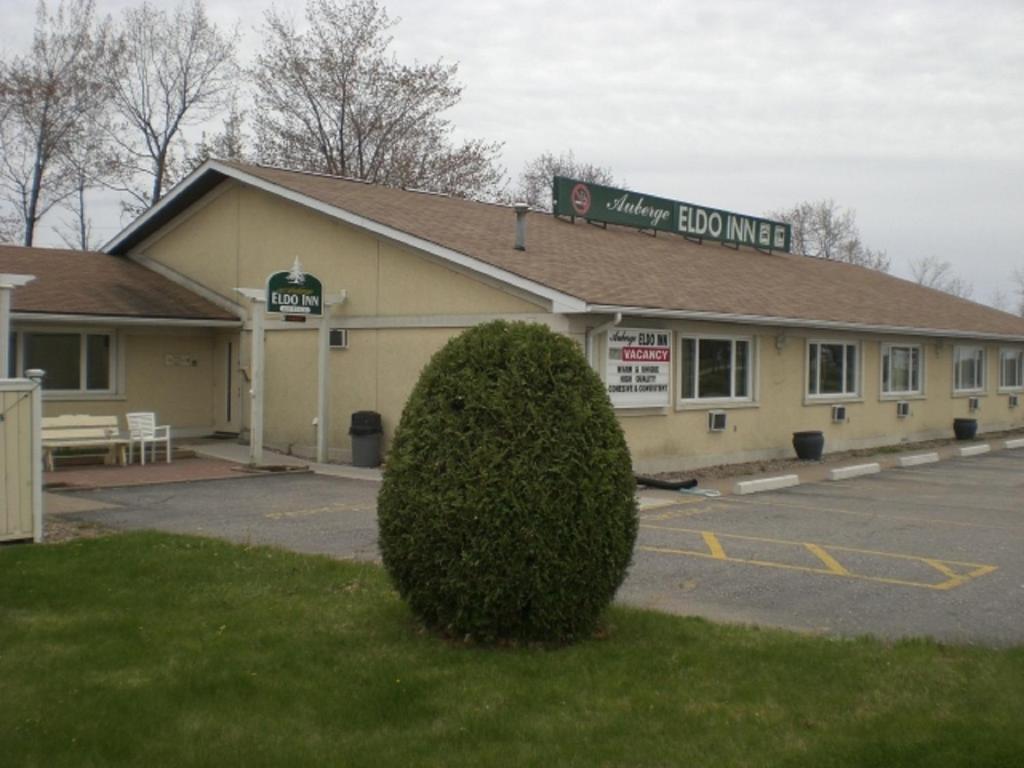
[[715, 343]]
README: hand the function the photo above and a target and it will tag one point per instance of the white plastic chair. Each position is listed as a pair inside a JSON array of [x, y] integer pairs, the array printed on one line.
[[142, 427]]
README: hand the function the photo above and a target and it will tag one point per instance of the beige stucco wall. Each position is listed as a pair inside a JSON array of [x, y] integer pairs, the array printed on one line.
[[180, 394], [239, 235], [677, 437]]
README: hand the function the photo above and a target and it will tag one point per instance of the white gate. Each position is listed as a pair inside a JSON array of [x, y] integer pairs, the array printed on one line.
[[21, 474]]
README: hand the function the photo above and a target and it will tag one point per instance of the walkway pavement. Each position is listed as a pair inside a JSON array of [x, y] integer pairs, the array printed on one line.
[[229, 450]]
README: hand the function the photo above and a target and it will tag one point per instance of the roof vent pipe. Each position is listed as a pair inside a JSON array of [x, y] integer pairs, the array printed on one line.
[[521, 210]]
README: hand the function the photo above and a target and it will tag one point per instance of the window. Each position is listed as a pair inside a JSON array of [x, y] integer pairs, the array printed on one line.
[[715, 369], [968, 369], [832, 369], [1011, 368], [901, 369], [73, 362]]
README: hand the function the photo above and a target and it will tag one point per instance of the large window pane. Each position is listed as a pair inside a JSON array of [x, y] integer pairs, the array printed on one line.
[[900, 366], [851, 369], [1011, 371], [715, 367], [687, 375], [812, 369], [742, 373], [12, 362], [915, 369], [831, 369], [59, 354], [97, 362]]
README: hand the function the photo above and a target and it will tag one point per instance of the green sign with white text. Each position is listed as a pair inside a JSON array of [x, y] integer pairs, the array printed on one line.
[[596, 202], [295, 292]]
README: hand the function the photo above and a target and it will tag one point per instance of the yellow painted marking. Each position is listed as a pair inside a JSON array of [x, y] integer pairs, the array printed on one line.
[[829, 561], [832, 566], [714, 545]]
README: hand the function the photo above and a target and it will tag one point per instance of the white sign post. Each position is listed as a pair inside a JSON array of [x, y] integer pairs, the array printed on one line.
[[7, 284], [258, 299], [638, 367]]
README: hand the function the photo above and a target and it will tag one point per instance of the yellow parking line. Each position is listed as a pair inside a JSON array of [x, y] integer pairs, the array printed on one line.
[[833, 567], [714, 545], [829, 561]]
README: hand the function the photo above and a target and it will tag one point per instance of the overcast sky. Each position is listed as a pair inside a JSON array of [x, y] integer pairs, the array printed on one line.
[[910, 113]]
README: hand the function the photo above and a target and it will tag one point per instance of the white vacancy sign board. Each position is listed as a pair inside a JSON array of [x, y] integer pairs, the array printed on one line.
[[638, 367]]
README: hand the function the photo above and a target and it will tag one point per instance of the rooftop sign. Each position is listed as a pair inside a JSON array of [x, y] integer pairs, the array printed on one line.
[[596, 202]]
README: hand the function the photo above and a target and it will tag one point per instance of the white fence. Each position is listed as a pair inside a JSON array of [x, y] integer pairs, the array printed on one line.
[[21, 478]]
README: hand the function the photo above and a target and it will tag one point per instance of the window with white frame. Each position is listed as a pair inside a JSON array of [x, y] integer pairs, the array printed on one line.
[[1011, 368], [832, 369], [901, 369], [968, 368], [715, 368], [74, 362]]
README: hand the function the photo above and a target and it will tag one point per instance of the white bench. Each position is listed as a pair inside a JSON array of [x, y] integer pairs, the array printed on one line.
[[81, 431]]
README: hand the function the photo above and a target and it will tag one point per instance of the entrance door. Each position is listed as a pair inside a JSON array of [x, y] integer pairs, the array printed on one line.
[[227, 385]]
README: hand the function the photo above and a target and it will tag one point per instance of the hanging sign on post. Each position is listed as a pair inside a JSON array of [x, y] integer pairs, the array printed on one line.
[[295, 292]]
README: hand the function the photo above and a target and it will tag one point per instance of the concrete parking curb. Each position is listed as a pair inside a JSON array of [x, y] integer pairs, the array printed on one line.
[[974, 450], [918, 459], [857, 470], [1014, 444], [745, 487]]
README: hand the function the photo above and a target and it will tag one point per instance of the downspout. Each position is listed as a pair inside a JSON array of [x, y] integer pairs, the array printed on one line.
[[592, 332]]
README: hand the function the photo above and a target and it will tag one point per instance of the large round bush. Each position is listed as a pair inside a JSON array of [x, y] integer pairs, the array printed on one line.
[[507, 510]]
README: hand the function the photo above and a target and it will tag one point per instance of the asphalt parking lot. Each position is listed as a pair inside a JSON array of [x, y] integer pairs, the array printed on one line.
[[933, 551]]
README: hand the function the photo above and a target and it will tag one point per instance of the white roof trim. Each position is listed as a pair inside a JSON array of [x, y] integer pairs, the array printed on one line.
[[560, 302], [726, 317], [78, 319]]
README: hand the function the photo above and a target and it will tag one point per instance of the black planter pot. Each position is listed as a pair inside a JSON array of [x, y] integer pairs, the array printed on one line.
[[809, 445], [965, 429]]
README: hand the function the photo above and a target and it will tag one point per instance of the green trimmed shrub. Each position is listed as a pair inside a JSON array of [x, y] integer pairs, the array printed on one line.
[[507, 510]]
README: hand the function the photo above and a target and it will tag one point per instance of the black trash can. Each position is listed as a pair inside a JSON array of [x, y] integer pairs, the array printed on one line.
[[365, 430], [965, 429]]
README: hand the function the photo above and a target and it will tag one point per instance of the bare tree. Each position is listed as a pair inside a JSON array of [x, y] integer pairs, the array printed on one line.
[[333, 99], [230, 143], [1018, 279], [535, 180], [933, 272], [87, 164], [825, 230], [1000, 299], [176, 69], [47, 95]]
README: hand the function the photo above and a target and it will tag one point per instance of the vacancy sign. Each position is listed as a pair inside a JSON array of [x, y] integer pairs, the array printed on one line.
[[638, 367]]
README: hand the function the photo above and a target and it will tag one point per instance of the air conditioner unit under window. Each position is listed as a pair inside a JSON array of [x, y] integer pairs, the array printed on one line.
[[339, 338], [838, 414], [1014, 401], [902, 409], [716, 421], [973, 403]]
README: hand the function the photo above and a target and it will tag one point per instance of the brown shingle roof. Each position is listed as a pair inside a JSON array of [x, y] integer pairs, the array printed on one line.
[[619, 266], [90, 283]]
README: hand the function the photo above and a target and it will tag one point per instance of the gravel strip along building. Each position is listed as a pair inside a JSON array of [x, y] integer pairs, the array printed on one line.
[[711, 351]]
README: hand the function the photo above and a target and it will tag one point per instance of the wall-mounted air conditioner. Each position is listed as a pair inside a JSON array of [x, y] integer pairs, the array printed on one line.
[[339, 338], [716, 421], [838, 414], [973, 403], [1014, 401], [902, 409]]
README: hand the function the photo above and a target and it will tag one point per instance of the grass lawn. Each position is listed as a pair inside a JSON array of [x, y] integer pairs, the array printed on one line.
[[155, 650]]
